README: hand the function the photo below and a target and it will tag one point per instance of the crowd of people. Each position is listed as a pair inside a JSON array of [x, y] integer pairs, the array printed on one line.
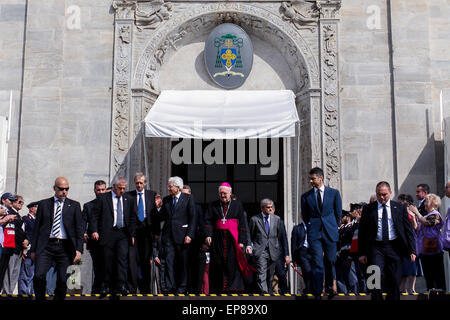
[[143, 243]]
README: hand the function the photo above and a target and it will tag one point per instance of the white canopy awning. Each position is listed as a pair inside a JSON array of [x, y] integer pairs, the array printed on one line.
[[214, 114]]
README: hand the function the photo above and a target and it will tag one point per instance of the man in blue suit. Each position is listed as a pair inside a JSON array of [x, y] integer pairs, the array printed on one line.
[[321, 211]]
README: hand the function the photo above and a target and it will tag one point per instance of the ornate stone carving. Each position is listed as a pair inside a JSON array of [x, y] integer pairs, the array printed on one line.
[[330, 103], [301, 14], [124, 9], [121, 87], [125, 33], [201, 18], [151, 79], [329, 9], [121, 120], [153, 15]]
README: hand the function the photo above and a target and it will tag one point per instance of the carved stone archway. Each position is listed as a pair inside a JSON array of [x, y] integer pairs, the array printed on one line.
[[311, 49], [306, 35]]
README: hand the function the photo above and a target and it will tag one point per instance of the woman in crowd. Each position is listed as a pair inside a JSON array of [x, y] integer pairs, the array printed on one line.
[[430, 243], [409, 268]]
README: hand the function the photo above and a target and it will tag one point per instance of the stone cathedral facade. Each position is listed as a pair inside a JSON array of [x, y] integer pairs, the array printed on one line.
[[371, 80]]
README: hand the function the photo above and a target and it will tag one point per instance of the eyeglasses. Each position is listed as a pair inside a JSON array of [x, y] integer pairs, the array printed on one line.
[[62, 189], [20, 202]]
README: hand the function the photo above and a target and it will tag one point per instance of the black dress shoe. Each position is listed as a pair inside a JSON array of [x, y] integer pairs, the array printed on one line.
[[123, 291], [104, 291], [332, 294]]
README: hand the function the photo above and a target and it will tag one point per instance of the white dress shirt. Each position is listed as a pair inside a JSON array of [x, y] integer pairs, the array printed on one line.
[[322, 190], [391, 228], [115, 198]]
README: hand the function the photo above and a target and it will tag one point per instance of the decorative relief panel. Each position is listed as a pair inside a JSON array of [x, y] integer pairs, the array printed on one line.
[[124, 16], [302, 14], [200, 19], [330, 101]]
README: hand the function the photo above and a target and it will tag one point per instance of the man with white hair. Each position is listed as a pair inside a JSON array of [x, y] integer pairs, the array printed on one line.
[[178, 213], [226, 234]]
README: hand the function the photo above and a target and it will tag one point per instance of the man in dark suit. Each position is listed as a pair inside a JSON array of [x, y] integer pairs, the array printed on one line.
[[178, 213], [281, 267], [57, 237], [385, 236], [267, 238], [147, 229], [301, 255], [113, 225], [421, 192], [321, 210], [92, 245], [197, 251], [27, 269]]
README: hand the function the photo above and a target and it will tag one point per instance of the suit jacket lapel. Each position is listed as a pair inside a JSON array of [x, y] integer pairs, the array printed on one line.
[[181, 199], [124, 208], [262, 222], [110, 203], [395, 216], [271, 223], [326, 195], [65, 210], [51, 209], [313, 200]]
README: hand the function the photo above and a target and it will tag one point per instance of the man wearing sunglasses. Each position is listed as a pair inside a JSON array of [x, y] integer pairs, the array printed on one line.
[[57, 237]]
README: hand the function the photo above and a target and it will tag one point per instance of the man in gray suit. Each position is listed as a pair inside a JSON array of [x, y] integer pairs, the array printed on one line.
[[266, 231]]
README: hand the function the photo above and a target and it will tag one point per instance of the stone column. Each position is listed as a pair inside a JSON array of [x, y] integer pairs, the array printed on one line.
[[331, 150], [121, 137]]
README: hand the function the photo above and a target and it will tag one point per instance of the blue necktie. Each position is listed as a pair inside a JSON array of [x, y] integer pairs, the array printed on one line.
[[174, 201], [141, 208], [266, 218]]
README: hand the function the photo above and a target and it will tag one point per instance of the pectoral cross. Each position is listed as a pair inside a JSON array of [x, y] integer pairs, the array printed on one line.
[[224, 220]]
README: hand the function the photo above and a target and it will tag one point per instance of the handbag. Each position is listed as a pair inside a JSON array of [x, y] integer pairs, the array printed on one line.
[[430, 245]]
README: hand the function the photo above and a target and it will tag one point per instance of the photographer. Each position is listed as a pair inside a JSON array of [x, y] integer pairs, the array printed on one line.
[[430, 242]]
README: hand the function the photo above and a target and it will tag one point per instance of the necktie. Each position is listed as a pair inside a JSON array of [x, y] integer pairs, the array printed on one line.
[[319, 199], [119, 222], [56, 226], [175, 201], [384, 225], [266, 218], [141, 208]]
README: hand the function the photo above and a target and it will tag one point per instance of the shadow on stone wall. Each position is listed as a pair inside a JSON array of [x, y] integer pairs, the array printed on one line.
[[428, 168]]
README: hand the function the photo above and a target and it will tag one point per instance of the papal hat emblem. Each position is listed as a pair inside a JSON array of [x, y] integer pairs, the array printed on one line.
[[228, 55]]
